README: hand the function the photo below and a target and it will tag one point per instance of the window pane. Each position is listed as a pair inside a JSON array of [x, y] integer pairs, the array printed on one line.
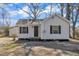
[[59, 29], [50, 29], [23, 29], [55, 29]]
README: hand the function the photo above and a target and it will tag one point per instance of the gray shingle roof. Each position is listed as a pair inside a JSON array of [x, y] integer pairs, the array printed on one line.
[[23, 21]]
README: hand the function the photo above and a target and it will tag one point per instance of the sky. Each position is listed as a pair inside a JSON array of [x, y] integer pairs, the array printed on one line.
[[15, 11]]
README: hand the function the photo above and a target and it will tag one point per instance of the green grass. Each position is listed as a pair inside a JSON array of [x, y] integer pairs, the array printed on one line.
[[10, 46]]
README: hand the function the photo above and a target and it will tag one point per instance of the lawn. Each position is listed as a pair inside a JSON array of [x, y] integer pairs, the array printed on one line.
[[8, 47]]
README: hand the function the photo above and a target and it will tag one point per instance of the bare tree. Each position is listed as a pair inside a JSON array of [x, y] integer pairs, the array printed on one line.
[[62, 8], [74, 19], [5, 17], [68, 11], [3, 12], [71, 15], [50, 9], [35, 10]]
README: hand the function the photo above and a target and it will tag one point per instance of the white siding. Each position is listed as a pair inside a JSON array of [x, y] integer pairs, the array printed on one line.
[[46, 26], [22, 35], [56, 21], [30, 31]]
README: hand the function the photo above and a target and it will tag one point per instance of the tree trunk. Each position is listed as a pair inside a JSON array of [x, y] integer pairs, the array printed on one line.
[[68, 11], [73, 28], [74, 23], [62, 7]]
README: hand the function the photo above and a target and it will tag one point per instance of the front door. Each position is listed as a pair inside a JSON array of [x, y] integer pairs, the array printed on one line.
[[35, 31]]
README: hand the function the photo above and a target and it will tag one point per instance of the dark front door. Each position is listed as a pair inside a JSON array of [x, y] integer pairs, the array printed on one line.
[[35, 31]]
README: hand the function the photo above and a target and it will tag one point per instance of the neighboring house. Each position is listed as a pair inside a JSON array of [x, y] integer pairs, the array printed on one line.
[[54, 27]]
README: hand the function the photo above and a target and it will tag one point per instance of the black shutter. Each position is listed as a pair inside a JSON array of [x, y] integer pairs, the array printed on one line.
[[59, 29], [50, 29], [20, 30], [27, 30]]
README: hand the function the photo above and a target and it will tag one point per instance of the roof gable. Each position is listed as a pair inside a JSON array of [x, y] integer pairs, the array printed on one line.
[[55, 15], [25, 21]]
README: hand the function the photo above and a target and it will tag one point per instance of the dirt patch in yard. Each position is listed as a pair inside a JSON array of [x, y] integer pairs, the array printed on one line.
[[17, 51], [43, 51], [8, 47]]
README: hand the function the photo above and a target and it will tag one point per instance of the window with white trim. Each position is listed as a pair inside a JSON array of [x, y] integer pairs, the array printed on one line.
[[55, 29], [23, 30]]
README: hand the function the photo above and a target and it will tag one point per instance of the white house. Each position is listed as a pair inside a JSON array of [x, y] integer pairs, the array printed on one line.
[[54, 27]]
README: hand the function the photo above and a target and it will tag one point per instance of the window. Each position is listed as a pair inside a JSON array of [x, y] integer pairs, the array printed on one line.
[[55, 29], [24, 30]]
